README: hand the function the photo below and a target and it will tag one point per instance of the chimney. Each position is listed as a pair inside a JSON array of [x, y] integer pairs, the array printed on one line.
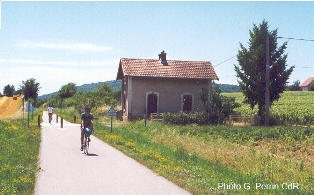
[[163, 58]]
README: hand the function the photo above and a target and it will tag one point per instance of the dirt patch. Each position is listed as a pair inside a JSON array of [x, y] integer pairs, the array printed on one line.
[[10, 108]]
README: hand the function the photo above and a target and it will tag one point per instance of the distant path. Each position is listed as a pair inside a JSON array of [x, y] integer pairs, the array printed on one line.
[[66, 170]]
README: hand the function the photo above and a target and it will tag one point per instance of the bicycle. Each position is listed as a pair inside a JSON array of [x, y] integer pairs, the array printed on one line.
[[87, 133]]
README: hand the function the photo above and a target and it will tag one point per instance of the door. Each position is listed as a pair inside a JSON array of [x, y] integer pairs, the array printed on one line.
[[187, 103], [152, 100]]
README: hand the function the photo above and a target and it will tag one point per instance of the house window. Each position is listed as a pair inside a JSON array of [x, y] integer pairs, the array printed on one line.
[[187, 102]]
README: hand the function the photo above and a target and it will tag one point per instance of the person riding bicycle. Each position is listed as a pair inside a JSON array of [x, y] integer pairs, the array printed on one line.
[[50, 113], [87, 121]]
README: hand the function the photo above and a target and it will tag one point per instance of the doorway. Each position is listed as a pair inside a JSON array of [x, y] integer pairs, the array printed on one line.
[[152, 103]]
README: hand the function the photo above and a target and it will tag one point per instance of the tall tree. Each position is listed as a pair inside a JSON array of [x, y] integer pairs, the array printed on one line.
[[30, 89], [9, 90], [251, 70], [67, 90]]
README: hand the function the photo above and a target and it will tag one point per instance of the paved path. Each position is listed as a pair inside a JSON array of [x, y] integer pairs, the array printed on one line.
[[66, 170]]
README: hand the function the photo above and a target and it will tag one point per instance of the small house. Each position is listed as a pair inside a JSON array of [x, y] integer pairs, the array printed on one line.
[[162, 85], [305, 86]]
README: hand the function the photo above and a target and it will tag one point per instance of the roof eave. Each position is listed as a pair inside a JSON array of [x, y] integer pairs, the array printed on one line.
[[177, 77]]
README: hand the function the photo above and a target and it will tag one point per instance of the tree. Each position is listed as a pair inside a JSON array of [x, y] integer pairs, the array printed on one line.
[[9, 90], [30, 89], [294, 87], [251, 69], [67, 91], [311, 87], [217, 106], [107, 95]]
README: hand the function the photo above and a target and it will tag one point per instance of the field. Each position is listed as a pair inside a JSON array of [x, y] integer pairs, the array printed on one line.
[[295, 108], [10, 108]]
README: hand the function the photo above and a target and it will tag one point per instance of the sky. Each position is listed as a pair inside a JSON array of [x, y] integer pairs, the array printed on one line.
[[82, 42]]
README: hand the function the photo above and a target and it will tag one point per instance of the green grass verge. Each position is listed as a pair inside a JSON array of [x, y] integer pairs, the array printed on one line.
[[157, 147], [67, 114], [19, 149]]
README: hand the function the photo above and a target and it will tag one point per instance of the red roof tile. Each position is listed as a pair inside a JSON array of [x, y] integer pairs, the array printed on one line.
[[174, 68], [307, 82]]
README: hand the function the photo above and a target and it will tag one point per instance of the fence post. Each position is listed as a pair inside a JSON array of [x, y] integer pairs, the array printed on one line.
[[74, 118], [38, 120], [230, 119], [57, 118], [61, 123]]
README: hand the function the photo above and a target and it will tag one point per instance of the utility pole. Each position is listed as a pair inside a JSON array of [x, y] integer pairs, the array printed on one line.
[[267, 83]]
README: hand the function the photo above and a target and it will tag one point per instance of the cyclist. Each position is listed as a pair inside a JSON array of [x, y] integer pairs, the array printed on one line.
[[50, 112], [87, 121]]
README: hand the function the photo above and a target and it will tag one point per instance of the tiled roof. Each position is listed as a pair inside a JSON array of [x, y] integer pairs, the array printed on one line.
[[307, 82], [174, 68]]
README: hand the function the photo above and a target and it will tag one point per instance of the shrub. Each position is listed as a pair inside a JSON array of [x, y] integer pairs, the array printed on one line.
[[273, 121], [182, 118], [217, 106]]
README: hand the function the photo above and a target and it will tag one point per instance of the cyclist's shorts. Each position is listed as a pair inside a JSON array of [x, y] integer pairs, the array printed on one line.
[[87, 131]]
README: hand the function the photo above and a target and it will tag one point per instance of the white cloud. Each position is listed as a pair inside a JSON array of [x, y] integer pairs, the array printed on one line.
[[86, 64], [84, 47], [52, 67]]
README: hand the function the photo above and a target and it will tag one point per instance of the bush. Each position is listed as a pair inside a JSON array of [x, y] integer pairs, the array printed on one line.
[[218, 107], [182, 118], [273, 121]]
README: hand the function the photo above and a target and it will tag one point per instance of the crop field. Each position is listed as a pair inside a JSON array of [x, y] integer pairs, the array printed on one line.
[[10, 108], [292, 107]]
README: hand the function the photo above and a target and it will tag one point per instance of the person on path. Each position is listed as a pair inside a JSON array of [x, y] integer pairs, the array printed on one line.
[[50, 113], [83, 108], [87, 121]]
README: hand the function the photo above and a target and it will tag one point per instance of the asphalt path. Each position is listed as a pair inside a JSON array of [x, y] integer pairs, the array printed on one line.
[[66, 170]]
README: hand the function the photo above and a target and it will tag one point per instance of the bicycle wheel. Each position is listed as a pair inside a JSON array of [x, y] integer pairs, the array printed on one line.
[[86, 143]]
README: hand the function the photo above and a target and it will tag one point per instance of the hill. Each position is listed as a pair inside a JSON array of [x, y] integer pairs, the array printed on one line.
[[86, 87], [116, 84], [93, 86]]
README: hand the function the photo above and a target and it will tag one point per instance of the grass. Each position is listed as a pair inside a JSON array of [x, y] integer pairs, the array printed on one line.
[[219, 159], [67, 114], [200, 158], [19, 149]]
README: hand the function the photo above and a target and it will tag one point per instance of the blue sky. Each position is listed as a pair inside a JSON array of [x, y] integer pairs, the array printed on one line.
[[82, 42]]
